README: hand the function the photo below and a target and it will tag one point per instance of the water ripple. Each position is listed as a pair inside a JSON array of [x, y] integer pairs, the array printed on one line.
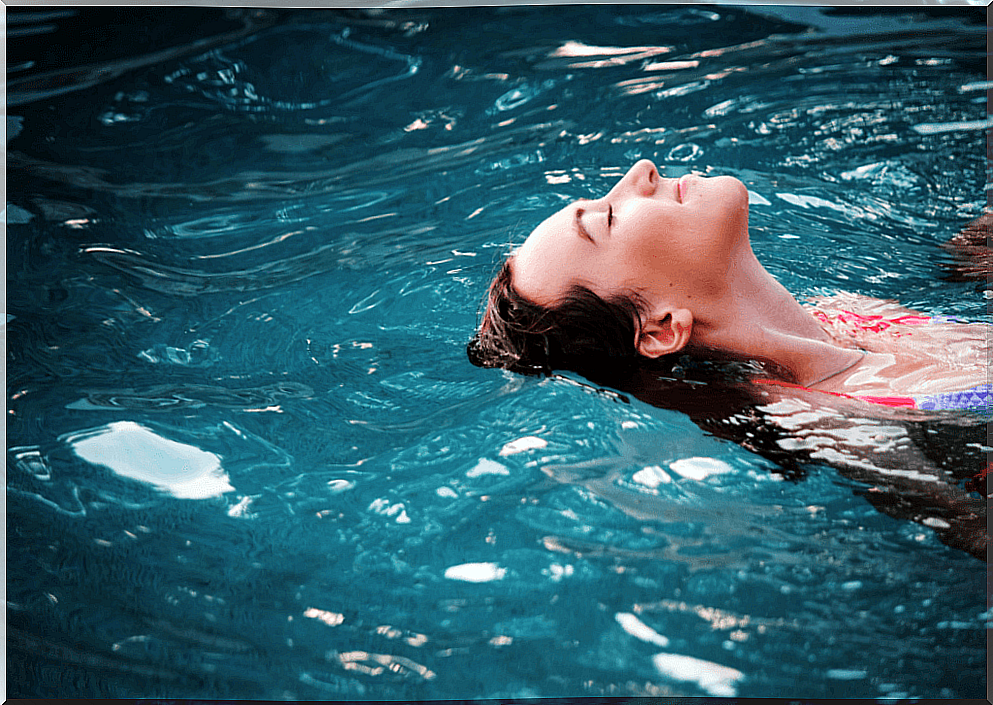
[[268, 253], [46, 85], [389, 169], [169, 397], [191, 282]]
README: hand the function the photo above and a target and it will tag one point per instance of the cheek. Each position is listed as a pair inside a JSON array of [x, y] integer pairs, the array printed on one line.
[[717, 230]]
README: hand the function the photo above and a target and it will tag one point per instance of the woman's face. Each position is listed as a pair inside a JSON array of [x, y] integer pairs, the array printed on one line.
[[671, 240]]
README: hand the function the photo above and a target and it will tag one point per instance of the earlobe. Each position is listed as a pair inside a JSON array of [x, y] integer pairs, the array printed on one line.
[[666, 335]]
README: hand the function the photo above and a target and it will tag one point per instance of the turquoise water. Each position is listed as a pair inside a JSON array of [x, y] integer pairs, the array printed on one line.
[[247, 457]]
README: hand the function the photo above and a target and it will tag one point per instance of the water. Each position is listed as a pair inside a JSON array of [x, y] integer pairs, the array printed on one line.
[[247, 457]]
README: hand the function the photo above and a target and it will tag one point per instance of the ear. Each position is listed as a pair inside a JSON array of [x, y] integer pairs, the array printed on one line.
[[667, 334]]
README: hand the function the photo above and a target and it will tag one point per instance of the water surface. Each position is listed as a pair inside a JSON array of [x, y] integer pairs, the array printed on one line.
[[247, 457]]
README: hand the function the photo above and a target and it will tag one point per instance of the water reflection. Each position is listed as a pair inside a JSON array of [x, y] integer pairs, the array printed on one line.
[[136, 452], [379, 664], [191, 396], [319, 206]]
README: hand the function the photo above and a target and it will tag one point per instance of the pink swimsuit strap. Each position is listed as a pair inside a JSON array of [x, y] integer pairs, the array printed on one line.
[[873, 323], [903, 402], [978, 398]]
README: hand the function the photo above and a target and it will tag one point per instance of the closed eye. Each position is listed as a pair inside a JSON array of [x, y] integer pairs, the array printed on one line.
[[580, 228]]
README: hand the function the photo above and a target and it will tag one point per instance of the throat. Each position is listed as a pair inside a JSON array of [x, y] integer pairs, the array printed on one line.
[[758, 319]]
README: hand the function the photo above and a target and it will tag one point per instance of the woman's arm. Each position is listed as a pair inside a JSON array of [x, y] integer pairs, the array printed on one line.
[[971, 250], [902, 481]]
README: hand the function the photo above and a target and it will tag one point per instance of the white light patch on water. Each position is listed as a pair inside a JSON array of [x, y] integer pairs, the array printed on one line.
[[835, 457], [976, 86], [935, 128], [485, 466], [936, 523], [755, 199], [809, 201], [716, 680], [699, 468], [557, 572], [884, 173], [523, 444], [383, 507], [844, 674], [336, 486], [670, 65], [652, 476], [133, 451], [332, 619], [639, 630], [476, 572], [241, 508]]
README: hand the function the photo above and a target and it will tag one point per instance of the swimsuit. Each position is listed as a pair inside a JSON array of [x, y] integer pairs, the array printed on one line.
[[978, 398], [877, 324]]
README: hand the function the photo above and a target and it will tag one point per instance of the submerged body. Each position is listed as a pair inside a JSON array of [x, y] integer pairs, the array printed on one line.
[[659, 273], [931, 361]]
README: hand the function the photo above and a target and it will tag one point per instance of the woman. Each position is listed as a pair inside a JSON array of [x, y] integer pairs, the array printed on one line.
[[630, 289], [664, 266]]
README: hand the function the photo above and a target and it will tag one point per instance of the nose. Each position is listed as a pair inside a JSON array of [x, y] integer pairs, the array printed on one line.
[[642, 179]]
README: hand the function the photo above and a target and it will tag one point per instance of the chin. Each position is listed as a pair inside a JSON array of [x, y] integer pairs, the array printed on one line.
[[733, 187], [731, 196], [734, 199]]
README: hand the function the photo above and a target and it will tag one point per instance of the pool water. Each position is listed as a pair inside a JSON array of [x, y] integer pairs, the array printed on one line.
[[247, 457]]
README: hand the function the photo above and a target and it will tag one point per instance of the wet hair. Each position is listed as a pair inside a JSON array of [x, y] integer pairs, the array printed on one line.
[[583, 332], [595, 337]]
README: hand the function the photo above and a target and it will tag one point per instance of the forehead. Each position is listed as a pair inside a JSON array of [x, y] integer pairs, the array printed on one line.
[[545, 266]]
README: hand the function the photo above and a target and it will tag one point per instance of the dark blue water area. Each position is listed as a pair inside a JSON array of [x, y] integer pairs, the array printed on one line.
[[248, 458]]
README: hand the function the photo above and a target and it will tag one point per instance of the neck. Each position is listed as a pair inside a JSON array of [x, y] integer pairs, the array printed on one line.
[[755, 317]]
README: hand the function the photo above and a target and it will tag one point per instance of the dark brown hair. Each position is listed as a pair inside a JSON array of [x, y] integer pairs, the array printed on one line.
[[582, 332], [595, 338]]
